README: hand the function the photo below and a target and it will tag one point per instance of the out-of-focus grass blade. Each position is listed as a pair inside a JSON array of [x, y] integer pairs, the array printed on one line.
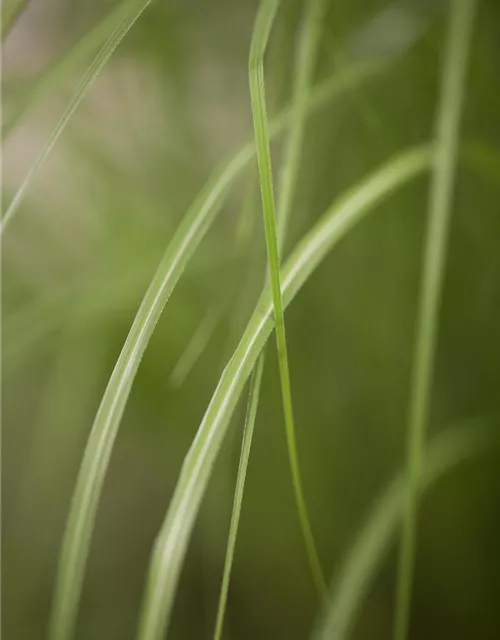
[[171, 544], [134, 10], [371, 544], [67, 63], [195, 347], [195, 224], [10, 12], [306, 60], [262, 30], [434, 261]]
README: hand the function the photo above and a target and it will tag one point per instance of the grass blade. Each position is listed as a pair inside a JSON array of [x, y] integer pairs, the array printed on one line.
[[171, 544], [305, 66], [374, 539], [76, 540], [262, 29], [441, 193], [133, 13], [67, 63], [306, 61], [253, 402]]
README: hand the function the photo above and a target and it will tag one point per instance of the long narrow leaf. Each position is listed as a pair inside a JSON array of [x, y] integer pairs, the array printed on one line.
[[306, 60], [76, 540], [253, 403], [68, 63], [262, 29], [120, 31], [434, 260], [171, 544], [372, 543]]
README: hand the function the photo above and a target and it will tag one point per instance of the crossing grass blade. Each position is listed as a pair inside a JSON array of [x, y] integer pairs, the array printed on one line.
[[306, 60], [434, 261], [133, 11], [89, 484], [171, 544], [253, 403], [372, 543], [262, 29]]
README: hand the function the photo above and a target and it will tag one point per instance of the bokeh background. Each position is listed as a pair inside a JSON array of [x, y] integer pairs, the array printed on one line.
[[172, 103]]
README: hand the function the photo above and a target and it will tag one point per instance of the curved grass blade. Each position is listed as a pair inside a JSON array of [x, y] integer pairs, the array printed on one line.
[[120, 31], [263, 25], [67, 63], [374, 539], [76, 540], [306, 60], [434, 259], [171, 544], [253, 402]]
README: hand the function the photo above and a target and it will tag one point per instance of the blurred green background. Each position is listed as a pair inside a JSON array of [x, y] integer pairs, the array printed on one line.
[[173, 103]]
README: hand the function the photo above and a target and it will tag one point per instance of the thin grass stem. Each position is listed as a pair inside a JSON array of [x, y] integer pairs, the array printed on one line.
[[66, 64], [306, 59], [262, 29], [253, 403], [106, 51], [434, 260]]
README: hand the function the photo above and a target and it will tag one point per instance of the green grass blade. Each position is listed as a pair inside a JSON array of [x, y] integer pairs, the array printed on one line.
[[171, 544], [441, 193], [76, 540], [11, 10], [253, 402], [373, 541], [306, 60], [67, 63], [90, 75], [262, 29], [305, 66]]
